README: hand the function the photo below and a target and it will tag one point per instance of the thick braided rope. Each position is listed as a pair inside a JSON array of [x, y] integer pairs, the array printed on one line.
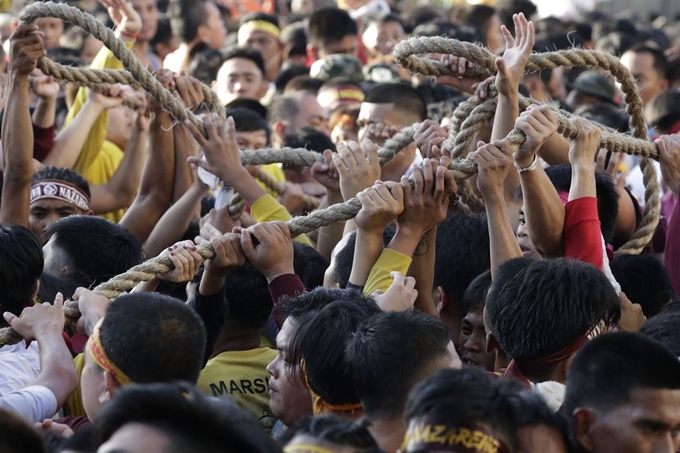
[[138, 72], [280, 187]]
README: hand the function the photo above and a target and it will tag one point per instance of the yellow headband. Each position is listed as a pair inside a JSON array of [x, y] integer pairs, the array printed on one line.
[[263, 26], [323, 407], [96, 350], [305, 448]]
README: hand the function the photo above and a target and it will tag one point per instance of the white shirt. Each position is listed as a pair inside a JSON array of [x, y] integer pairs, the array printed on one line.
[[34, 403], [19, 365]]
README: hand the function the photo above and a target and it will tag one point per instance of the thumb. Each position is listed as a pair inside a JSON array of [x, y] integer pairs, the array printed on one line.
[[9, 317], [500, 63], [247, 243], [198, 162]]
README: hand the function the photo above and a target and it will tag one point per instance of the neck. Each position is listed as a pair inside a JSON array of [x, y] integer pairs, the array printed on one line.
[[237, 339], [141, 46], [388, 433]]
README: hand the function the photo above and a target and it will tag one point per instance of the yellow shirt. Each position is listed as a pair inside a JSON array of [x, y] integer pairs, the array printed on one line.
[[267, 209], [74, 403], [388, 262], [276, 172], [99, 158], [242, 377]]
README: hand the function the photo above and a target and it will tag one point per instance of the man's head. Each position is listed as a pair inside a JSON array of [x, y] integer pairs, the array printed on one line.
[[289, 397], [56, 193], [541, 314], [291, 112], [90, 250], [462, 254], [148, 11], [645, 281], [382, 35], [665, 329], [318, 347], [176, 418], [249, 301], [312, 140], [507, 8], [241, 75], [331, 31], [196, 22], [623, 396], [591, 88], [473, 348], [487, 21], [390, 353], [663, 113], [341, 93], [21, 263], [144, 338], [261, 32], [330, 433], [648, 66], [252, 131]]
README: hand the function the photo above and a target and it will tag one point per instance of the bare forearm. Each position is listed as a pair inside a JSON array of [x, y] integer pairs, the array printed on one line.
[[367, 249], [405, 240], [57, 371], [211, 283], [422, 269], [503, 243], [582, 181], [175, 221], [555, 151], [17, 144], [244, 184], [507, 112], [125, 181], [184, 147], [69, 143], [544, 212], [329, 236], [44, 113]]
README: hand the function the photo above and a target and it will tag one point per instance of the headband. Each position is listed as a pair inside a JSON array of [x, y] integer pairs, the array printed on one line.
[[96, 350], [305, 448], [60, 190], [599, 328], [426, 435], [348, 93], [263, 26], [321, 406]]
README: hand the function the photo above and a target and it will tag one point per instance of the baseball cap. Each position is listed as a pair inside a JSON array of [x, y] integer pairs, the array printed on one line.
[[595, 84], [333, 66]]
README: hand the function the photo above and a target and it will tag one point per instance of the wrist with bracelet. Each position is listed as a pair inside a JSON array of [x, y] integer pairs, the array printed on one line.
[[129, 35], [532, 166]]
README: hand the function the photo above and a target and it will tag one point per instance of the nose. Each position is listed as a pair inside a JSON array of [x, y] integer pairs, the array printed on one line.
[[272, 368], [665, 444], [522, 231], [473, 343]]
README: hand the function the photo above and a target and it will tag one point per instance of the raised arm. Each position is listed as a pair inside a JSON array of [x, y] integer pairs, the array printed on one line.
[[47, 90], [543, 208], [326, 174], [26, 46], [494, 162]]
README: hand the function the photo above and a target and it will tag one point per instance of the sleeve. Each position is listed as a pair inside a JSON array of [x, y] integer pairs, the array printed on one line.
[[672, 252], [104, 60], [34, 403], [212, 310], [281, 288], [388, 262], [43, 141], [582, 233], [267, 209]]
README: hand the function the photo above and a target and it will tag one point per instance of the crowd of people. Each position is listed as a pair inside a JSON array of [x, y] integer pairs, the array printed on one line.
[[424, 324]]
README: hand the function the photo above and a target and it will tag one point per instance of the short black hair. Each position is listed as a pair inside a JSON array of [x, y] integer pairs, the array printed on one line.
[[328, 25], [405, 98], [467, 397], [475, 294], [163, 32], [154, 338], [248, 299], [320, 341], [506, 9], [608, 368], [344, 258], [95, 249], [607, 196], [315, 300], [272, 19], [62, 174], [285, 107], [335, 430], [545, 307], [21, 263], [463, 252], [248, 120], [444, 27], [389, 353], [205, 65], [18, 436], [289, 74], [644, 279], [186, 16], [190, 420], [247, 53], [665, 329], [309, 265], [480, 16], [607, 114], [303, 83], [310, 139], [660, 62]]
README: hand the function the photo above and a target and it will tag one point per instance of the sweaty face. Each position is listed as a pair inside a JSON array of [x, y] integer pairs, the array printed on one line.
[[266, 44], [344, 46], [148, 11], [310, 114], [136, 438], [215, 31], [523, 238], [53, 29], [473, 342], [289, 399], [648, 80], [649, 423], [43, 213], [240, 78]]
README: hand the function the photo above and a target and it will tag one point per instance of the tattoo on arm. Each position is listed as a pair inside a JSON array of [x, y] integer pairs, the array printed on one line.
[[423, 246]]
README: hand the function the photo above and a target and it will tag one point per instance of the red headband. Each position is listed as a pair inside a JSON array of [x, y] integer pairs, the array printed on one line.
[[60, 190]]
